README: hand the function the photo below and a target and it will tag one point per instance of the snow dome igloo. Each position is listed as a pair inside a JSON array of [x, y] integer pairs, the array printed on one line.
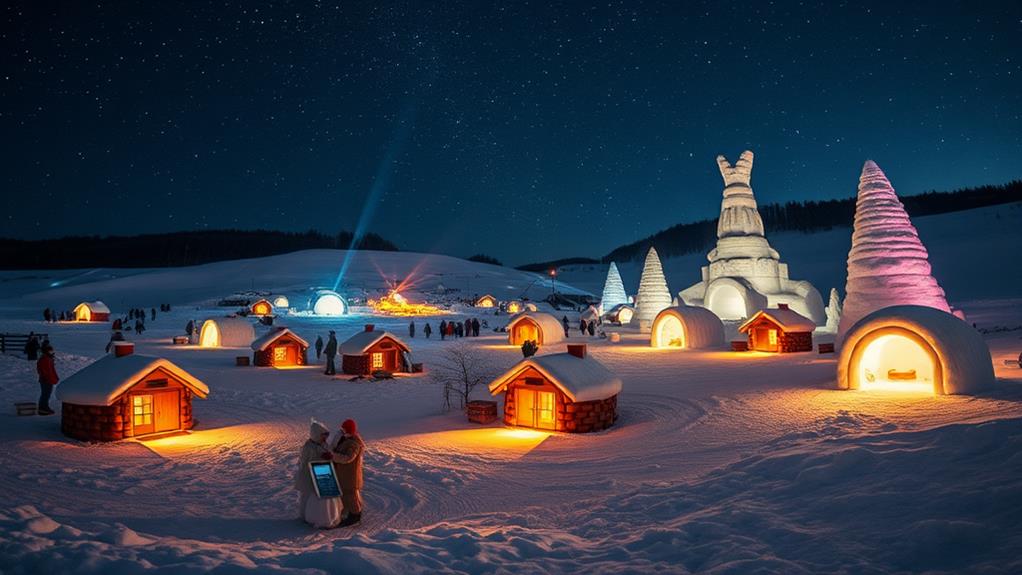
[[914, 348], [745, 274], [329, 303]]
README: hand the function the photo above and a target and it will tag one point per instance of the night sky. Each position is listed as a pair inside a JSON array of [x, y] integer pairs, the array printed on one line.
[[523, 131]]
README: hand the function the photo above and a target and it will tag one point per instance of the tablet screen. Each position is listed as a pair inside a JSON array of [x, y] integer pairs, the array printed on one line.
[[324, 478]]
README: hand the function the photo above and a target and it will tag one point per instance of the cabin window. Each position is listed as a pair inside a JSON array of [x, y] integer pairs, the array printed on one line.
[[545, 410], [279, 354], [142, 409], [377, 360], [772, 337]]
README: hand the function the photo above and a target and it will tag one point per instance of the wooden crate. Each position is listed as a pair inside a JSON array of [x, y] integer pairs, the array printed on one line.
[[242, 360], [825, 347], [481, 411], [180, 340], [739, 345], [26, 408]]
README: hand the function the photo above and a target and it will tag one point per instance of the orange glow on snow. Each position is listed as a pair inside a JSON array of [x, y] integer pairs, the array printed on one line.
[[395, 304], [514, 442]]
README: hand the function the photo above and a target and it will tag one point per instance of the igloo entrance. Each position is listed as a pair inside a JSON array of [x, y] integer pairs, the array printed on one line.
[[895, 359], [669, 332], [727, 302]]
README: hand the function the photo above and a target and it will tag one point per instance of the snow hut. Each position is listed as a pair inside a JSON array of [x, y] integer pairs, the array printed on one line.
[[92, 311], [226, 332], [887, 263], [261, 307], [542, 328], [559, 392], [744, 273], [687, 327], [281, 302], [513, 306], [779, 329], [328, 302], [914, 347], [486, 301], [279, 347], [531, 307], [371, 350], [125, 395], [620, 314]]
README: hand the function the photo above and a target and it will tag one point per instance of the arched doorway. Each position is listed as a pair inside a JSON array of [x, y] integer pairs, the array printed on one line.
[[526, 330], [895, 359], [83, 313], [727, 302], [209, 336], [669, 332]]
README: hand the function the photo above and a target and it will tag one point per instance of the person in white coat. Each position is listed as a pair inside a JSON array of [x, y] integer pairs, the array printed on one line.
[[323, 513]]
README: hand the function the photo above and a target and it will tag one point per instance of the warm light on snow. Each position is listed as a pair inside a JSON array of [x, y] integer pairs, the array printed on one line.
[[396, 304], [515, 442]]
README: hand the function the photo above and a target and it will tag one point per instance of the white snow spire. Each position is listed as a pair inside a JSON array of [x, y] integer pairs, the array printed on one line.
[[613, 290], [887, 264], [738, 213], [833, 311], [653, 296]]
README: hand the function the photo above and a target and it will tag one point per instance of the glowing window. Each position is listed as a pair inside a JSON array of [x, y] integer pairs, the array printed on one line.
[[142, 409], [261, 308], [279, 354], [772, 337], [545, 409], [377, 360]]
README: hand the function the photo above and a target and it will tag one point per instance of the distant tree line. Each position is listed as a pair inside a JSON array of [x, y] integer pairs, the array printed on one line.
[[172, 249], [810, 216], [554, 264], [485, 259]]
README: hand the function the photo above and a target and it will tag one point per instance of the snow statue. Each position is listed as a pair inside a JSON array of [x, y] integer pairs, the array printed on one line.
[[745, 274], [833, 311], [653, 296], [613, 290], [887, 264]]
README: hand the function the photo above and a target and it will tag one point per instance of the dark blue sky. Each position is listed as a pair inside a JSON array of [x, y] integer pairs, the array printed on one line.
[[525, 131]]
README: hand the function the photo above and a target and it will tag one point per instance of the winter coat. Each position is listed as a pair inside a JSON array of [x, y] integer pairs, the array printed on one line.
[[32, 347], [348, 461], [319, 345], [190, 328], [331, 347], [311, 451], [47, 370]]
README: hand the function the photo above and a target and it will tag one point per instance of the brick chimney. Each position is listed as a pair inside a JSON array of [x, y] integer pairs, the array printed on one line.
[[577, 349], [123, 348], [782, 306], [370, 327]]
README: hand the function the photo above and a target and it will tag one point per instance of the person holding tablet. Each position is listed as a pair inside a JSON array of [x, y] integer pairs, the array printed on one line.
[[315, 507]]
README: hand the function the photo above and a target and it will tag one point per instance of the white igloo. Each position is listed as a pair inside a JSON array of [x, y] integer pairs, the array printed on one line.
[[745, 274]]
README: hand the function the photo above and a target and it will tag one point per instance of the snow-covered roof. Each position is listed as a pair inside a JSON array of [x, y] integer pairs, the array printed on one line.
[[259, 301], [581, 379], [363, 340], [551, 327], [787, 319], [106, 379], [264, 341], [95, 306], [485, 297]]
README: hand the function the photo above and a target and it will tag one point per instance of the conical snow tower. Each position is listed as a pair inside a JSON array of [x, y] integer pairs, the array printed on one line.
[[613, 290], [745, 274], [888, 264], [653, 296]]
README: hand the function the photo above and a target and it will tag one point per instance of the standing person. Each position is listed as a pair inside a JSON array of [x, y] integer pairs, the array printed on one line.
[[564, 322], [190, 328], [32, 347], [47, 371], [443, 329], [582, 326], [347, 458], [468, 327], [411, 329], [475, 327], [320, 513], [331, 353], [47, 315], [319, 347], [152, 309], [592, 328], [427, 330]]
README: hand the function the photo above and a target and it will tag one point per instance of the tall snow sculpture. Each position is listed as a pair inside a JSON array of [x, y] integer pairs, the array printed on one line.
[[887, 264], [653, 296], [613, 290], [833, 311], [745, 274]]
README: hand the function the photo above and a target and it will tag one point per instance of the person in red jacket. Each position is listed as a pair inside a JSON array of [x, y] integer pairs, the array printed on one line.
[[47, 379]]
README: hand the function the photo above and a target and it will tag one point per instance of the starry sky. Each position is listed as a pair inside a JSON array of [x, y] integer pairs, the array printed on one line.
[[522, 130]]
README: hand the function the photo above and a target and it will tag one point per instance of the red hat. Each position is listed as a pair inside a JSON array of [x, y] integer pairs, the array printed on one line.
[[349, 426]]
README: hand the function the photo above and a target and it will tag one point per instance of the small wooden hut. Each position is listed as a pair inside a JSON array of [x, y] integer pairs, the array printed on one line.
[[779, 330], [486, 300], [261, 307], [125, 395], [369, 351], [91, 311], [279, 347], [559, 392]]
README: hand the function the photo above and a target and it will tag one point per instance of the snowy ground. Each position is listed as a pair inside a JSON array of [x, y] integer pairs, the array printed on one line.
[[721, 462]]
